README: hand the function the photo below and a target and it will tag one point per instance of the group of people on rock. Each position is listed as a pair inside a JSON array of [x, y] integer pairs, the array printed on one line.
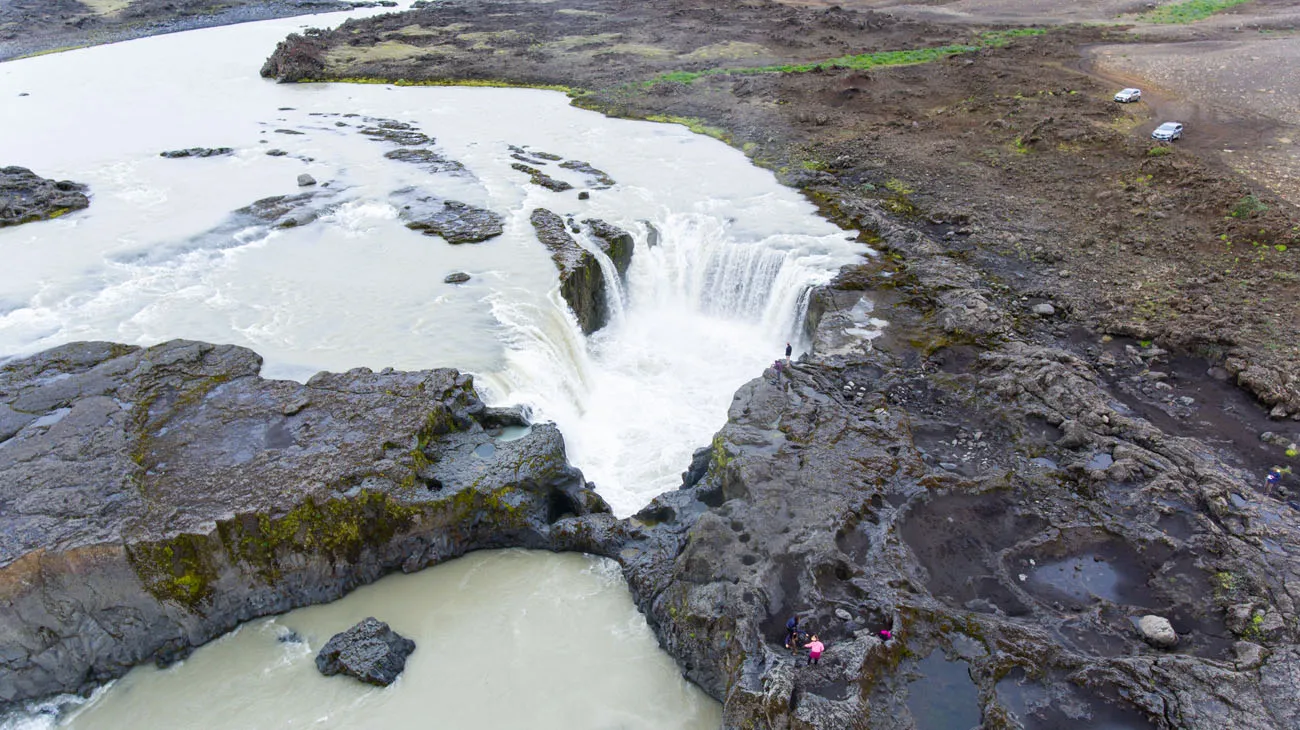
[[814, 645]]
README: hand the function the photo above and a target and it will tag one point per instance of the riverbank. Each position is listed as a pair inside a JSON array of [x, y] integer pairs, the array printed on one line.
[[33, 27]]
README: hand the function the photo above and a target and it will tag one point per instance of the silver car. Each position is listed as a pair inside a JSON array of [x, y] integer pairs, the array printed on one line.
[[1168, 132], [1127, 95]]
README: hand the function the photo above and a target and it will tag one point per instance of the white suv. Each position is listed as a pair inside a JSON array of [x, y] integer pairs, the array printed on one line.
[[1168, 132], [1127, 95]]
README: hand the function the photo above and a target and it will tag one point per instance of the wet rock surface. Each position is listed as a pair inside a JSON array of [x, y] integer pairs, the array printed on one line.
[[155, 498], [582, 282], [541, 179], [428, 159], [454, 221], [26, 197], [614, 241], [369, 651], [287, 211], [599, 179], [197, 152]]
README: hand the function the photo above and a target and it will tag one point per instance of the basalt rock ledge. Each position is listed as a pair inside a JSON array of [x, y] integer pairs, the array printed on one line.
[[152, 499]]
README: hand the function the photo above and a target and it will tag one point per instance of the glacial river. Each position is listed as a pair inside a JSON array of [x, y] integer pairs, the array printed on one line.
[[723, 262]]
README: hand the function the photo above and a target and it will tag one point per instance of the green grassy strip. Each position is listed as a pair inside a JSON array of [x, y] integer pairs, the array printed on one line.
[[494, 83], [863, 61], [1188, 11]]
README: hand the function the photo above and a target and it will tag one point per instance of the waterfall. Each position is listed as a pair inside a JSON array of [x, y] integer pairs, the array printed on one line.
[[704, 311]]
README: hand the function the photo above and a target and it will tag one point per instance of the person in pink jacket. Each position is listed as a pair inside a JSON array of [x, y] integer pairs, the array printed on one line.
[[815, 649]]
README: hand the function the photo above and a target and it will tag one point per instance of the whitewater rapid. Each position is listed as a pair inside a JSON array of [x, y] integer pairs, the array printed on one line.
[[158, 255]]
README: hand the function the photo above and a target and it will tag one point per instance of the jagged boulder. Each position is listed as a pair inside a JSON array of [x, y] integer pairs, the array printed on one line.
[[582, 283], [26, 197], [197, 152], [454, 221], [615, 242], [284, 211], [541, 179], [369, 651]]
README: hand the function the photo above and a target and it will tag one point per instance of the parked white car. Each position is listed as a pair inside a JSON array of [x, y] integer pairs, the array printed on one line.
[[1168, 132], [1127, 95]]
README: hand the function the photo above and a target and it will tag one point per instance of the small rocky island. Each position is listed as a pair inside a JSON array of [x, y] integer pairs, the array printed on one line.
[[26, 197], [369, 651]]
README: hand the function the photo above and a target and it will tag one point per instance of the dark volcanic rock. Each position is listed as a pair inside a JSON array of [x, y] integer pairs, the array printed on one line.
[[284, 211], [426, 158], [615, 242], [155, 498], [26, 197], [395, 132], [458, 277], [454, 221], [537, 177], [369, 651], [599, 179], [197, 152], [582, 283], [299, 57]]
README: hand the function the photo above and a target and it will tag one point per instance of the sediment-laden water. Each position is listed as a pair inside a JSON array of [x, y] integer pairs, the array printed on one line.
[[505, 639]]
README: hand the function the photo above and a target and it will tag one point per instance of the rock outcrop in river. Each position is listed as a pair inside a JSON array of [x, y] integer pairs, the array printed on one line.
[[582, 283], [369, 651], [26, 197], [152, 499]]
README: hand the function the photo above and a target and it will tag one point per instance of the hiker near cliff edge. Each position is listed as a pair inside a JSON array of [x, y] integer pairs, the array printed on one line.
[[792, 633], [815, 649]]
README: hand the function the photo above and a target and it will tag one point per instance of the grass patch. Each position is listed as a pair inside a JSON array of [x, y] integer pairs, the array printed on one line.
[[1247, 207], [1188, 11], [493, 83], [695, 125], [864, 61], [1160, 151]]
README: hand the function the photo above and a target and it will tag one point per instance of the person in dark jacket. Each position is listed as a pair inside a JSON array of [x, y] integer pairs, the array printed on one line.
[[792, 633], [788, 350]]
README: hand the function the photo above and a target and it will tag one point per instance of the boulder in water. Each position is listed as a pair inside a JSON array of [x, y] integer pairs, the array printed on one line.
[[537, 177], [26, 197], [582, 283], [283, 211], [196, 152], [429, 159], [369, 651], [599, 179], [460, 277], [456, 222], [305, 180]]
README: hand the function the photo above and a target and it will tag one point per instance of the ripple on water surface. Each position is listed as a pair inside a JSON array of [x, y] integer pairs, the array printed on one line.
[[505, 639]]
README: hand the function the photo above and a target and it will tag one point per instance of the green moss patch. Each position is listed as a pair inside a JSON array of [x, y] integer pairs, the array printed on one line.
[[1188, 11]]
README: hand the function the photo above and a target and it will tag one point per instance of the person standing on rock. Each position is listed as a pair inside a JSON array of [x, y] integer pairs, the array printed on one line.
[[792, 633], [788, 350], [815, 649], [1273, 479]]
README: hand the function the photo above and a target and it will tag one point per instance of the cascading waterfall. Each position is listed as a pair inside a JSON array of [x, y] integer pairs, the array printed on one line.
[[705, 311]]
